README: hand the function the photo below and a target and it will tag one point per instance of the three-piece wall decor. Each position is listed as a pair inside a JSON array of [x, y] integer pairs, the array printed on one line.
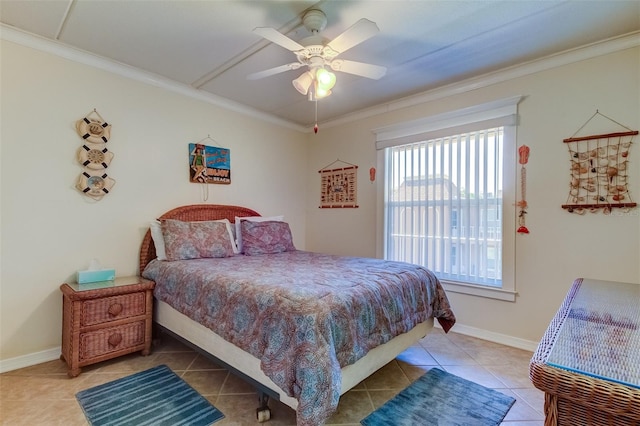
[[94, 156]]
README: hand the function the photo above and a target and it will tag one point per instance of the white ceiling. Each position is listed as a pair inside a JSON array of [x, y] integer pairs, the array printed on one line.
[[425, 44]]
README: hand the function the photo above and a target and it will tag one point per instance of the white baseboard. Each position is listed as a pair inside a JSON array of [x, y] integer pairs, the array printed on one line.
[[54, 353], [29, 359], [491, 336]]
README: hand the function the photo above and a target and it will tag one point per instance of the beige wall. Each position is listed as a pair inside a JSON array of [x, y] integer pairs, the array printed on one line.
[[49, 230], [561, 246]]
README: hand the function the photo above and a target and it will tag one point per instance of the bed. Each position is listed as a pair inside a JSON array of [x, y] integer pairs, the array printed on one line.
[[302, 327]]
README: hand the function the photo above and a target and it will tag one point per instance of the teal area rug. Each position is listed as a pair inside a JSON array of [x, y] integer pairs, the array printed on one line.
[[441, 398], [153, 397]]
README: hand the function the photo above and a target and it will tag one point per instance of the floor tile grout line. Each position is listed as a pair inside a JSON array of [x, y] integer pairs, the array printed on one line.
[[473, 349]]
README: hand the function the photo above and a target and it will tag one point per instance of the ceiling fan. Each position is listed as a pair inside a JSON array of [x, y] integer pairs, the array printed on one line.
[[317, 53]]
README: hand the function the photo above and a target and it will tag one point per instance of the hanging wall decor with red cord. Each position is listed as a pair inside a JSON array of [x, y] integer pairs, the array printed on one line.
[[523, 158]]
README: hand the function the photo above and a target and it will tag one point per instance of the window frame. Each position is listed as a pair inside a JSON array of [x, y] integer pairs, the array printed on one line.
[[503, 112]]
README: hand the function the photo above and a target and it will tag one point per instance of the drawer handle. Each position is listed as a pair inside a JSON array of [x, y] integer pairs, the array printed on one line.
[[115, 309], [115, 339]]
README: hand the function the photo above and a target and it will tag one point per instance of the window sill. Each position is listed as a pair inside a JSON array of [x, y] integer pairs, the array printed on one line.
[[477, 290]]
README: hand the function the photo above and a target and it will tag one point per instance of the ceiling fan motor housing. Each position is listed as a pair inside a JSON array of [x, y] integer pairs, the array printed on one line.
[[314, 20]]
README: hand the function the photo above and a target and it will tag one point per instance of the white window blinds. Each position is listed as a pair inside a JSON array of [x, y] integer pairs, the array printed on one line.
[[444, 193], [443, 205]]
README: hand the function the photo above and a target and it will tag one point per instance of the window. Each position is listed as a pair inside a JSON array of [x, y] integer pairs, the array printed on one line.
[[430, 181], [449, 196]]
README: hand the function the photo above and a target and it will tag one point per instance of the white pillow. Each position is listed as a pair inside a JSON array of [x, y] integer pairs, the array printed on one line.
[[231, 234], [158, 239], [252, 219]]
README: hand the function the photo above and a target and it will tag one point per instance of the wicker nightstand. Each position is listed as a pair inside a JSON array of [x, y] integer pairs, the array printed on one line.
[[105, 320]]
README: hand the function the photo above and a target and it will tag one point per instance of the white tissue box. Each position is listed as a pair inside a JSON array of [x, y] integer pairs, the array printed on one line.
[[97, 275]]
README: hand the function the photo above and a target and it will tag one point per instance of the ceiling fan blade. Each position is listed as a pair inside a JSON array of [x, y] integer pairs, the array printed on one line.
[[272, 71], [362, 30], [277, 37], [374, 72]]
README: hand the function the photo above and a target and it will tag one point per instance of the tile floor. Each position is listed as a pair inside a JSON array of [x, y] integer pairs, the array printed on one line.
[[44, 395]]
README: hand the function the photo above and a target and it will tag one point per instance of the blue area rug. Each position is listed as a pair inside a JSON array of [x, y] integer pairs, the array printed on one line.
[[440, 398], [153, 397]]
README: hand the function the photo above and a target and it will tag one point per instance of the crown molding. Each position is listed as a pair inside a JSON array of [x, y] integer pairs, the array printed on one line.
[[566, 57], [62, 50], [589, 51]]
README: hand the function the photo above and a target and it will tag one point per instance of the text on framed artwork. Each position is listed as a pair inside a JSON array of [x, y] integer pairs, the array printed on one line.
[[338, 187]]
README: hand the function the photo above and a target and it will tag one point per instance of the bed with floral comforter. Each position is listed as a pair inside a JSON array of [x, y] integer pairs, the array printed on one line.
[[304, 315]]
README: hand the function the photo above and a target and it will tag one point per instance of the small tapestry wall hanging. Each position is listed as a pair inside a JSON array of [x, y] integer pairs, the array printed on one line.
[[599, 176], [339, 186], [209, 164]]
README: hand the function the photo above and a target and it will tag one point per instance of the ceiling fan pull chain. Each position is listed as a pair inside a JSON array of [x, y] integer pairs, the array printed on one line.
[[315, 128]]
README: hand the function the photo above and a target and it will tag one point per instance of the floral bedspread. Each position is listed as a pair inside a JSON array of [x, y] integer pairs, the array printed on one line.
[[304, 315]]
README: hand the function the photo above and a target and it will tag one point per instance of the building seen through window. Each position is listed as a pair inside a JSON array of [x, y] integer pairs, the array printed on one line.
[[443, 206]]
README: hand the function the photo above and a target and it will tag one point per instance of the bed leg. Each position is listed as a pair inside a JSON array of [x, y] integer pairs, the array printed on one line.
[[263, 413], [156, 335]]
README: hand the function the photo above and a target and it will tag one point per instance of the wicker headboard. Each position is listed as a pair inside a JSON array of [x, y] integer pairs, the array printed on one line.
[[192, 213]]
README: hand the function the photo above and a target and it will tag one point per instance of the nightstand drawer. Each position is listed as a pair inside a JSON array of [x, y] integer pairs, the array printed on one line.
[[96, 343], [107, 309]]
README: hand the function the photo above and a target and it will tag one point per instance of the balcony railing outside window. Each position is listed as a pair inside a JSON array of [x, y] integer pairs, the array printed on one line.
[[443, 206]]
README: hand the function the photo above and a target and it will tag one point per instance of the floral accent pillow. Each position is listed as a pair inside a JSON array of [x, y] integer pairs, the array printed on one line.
[[239, 220], [266, 237], [195, 240]]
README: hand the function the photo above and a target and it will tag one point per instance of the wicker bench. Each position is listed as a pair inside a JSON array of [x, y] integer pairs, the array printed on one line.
[[581, 398]]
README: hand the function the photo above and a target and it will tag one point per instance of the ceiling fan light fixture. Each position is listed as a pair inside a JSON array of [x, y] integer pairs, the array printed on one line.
[[321, 92], [326, 79], [303, 82]]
